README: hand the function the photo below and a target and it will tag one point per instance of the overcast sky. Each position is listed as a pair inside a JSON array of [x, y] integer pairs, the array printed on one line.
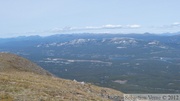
[[46, 17]]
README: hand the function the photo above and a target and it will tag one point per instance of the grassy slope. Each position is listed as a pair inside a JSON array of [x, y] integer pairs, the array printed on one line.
[[22, 80], [11, 62], [20, 86]]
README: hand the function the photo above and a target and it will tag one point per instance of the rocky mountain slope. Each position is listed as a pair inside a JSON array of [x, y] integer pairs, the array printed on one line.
[[22, 80]]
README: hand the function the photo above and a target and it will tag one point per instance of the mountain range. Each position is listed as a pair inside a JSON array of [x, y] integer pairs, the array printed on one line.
[[132, 63]]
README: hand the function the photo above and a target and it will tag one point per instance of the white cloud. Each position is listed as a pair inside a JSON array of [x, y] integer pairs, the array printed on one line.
[[91, 27], [104, 28], [168, 26], [176, 24], [134, 26], [108, 26]]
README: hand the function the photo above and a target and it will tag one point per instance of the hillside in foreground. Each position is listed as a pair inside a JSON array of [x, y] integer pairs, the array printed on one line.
[[22, 80]]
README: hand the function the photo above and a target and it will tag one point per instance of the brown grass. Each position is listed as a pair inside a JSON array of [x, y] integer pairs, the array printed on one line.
[[20, 86]]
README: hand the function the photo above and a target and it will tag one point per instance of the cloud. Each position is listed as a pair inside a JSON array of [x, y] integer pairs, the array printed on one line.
[[134, 26], [168, 26], [91, 28], [176, 24], [108, 26], [104, 28]]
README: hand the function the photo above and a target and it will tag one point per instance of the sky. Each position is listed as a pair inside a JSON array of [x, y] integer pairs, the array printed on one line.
[[47, 17]]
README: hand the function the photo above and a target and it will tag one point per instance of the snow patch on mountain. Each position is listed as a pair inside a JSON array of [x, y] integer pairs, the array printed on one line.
[[118, 41], [121, 40], [80, 41], [154, 43], [73, 42]]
